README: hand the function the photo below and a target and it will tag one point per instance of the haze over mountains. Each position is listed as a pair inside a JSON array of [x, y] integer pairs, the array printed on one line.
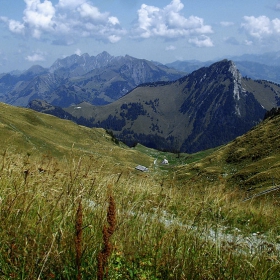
[[102, 79], [204, 109], [97, 79], [257, 67], [146, 102]]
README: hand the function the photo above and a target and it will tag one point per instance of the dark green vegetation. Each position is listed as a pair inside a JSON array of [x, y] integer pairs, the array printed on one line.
[[250, 162], [63, 187], [25, 131], [203, 110]]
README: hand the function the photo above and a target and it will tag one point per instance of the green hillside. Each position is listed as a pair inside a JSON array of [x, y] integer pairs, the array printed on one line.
[[72, 205], [31, 133], [203, 110], [249, 163]]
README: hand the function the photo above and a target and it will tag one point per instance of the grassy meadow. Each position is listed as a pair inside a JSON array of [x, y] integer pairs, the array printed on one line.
[[72, 205]]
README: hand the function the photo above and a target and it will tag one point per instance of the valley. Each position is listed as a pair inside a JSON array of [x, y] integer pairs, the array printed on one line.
[[74, 205], [202, 110], [184, 219]]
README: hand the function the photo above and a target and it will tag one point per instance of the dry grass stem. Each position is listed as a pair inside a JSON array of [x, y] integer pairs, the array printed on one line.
[[107, 232]]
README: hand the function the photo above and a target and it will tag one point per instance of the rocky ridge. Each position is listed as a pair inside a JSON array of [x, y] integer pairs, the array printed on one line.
[[205, 109], [99, 80]]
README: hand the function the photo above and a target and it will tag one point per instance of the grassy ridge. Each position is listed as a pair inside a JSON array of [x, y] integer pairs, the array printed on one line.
[[250, 162], [28, 132], [171, 223]]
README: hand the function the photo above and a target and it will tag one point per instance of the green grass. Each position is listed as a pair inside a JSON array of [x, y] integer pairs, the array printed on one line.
[[174, 159], [187, 223], [162, 232], [27, 132], [250, 162]]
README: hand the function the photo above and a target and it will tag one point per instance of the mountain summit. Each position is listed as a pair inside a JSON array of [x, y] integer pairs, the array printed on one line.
[[97, 79], [78, 65], [204, 109]]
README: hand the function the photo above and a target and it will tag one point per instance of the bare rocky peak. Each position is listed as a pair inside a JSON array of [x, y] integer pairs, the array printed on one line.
[[35, 70], [230, 67], [237, 89], [89, 63], [104, 56], [84, 61], [235, 72]]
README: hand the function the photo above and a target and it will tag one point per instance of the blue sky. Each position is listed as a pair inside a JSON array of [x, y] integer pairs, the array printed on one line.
[[41, 31]]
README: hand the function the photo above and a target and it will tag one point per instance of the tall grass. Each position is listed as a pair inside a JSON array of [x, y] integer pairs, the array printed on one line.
[[53, 215], [79, 238], [104, 255]]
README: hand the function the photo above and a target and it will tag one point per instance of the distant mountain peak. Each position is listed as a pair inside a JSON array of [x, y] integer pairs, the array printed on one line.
[[85, 55], [99, 79], [66, 62], [227, 69], [201, 110], [35, 70], [225, 65], [104, 56]]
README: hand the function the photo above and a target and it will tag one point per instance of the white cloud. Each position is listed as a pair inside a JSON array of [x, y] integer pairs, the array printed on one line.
[[248, 43], [67, 20], [13, 25], [78, 52], [93, 13], [170, 48], [113, 20], [35, 57], [261, 28], [257, 27], [70, 4], [276, 25], [39, 14], [114, 38], [16, 26], [168, 22], [226, 23], [202, 41]]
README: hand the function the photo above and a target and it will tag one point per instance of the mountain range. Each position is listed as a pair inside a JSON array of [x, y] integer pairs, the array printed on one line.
[[257, 67], [103, 78], [98, 80], [160, 106], [191, 217], [207, 108]]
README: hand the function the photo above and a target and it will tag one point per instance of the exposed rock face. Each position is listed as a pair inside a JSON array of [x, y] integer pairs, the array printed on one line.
[[237, 88], [236, 80], [219, 105], [204, 109], [76, 65]]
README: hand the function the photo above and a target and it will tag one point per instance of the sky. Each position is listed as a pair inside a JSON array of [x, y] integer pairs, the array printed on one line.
[[38, 32]]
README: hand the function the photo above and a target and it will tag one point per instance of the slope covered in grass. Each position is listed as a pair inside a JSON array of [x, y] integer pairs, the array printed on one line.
[[29, 132], [250, 162], [69, 195]]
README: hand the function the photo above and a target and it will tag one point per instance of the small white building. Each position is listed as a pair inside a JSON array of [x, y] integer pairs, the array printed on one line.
[[165, 161]]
